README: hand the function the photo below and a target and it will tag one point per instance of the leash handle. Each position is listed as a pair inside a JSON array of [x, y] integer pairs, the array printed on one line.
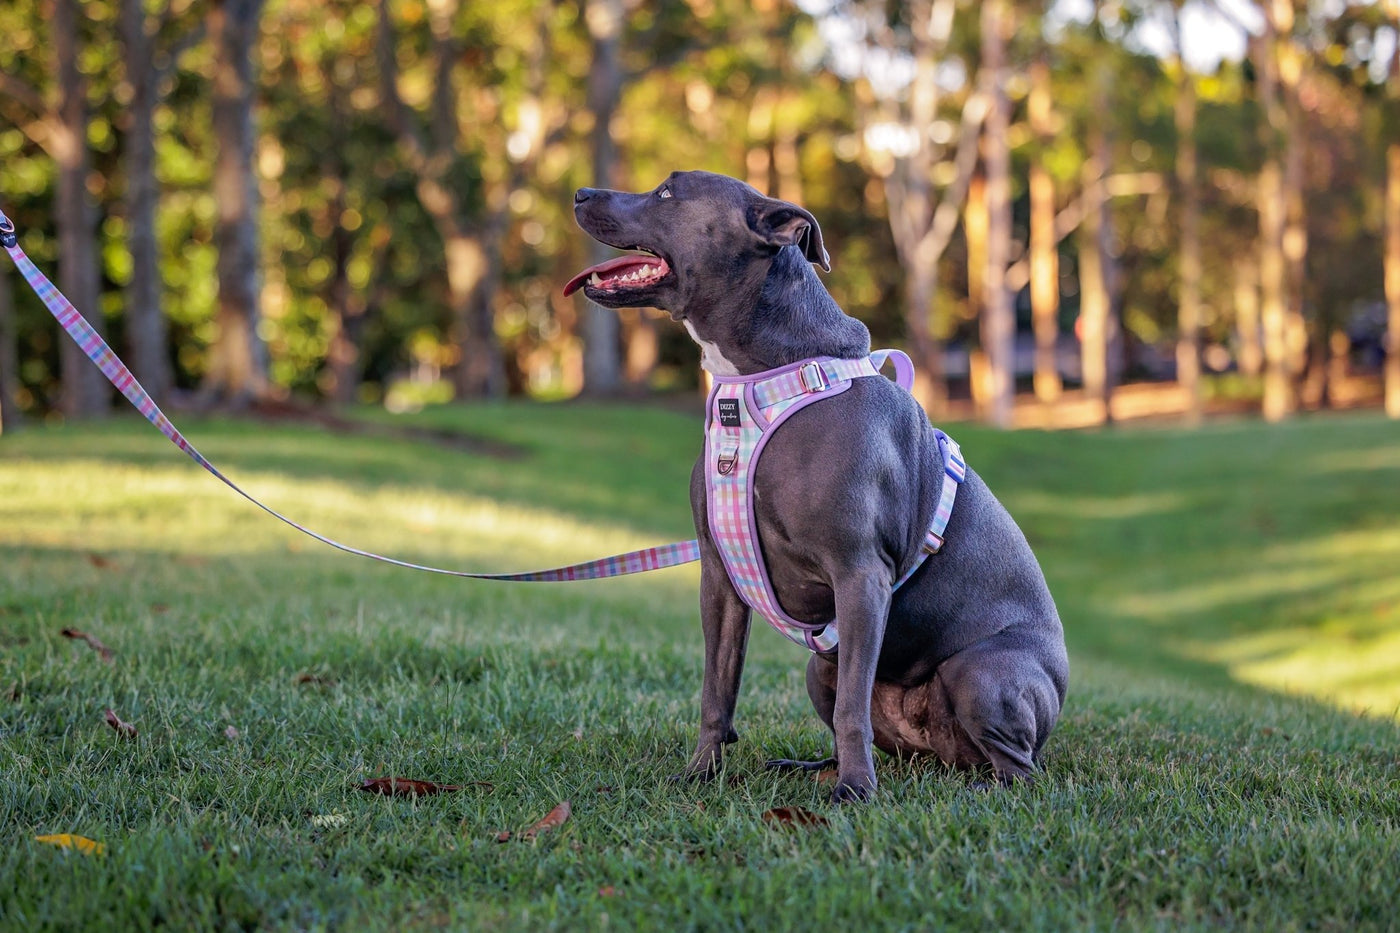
[[97, 350]]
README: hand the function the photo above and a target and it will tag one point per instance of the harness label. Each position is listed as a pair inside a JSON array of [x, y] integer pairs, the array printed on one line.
[[728, 412]]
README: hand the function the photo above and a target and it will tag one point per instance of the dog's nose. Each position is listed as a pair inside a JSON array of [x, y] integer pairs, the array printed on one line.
[[583, 194]]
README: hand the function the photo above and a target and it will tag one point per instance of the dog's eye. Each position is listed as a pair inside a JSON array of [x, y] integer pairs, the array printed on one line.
[[665, 192]]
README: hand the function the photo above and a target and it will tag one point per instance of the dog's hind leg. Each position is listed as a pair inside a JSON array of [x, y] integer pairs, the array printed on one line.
[[1006, 699], [821, 687]]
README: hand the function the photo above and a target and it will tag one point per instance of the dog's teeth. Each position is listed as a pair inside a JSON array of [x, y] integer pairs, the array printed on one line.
[[645, 270], [594, 280]]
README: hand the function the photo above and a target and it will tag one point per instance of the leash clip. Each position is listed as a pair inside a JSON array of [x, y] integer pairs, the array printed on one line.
[[814, 377], [8, 239]]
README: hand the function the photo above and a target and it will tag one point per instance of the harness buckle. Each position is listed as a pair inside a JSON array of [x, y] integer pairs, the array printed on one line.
[[814, 377], [933, 543], [8, 239]]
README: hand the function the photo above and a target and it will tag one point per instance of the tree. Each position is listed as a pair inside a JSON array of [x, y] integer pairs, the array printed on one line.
[[238, 368], [1044, 257], [998, 319], [146, 330], [1098, 322], [470, 229], [9, 353], [1188, 192], [1392, 228], [602, 358], [923, 218], [85, 390]]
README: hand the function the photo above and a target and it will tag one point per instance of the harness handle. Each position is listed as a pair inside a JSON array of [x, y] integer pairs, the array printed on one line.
[[903, 366]]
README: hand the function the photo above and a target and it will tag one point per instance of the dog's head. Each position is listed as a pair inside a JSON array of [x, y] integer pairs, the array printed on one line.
[[693, 236]]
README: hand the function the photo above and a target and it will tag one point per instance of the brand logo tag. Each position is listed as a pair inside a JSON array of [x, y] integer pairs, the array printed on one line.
[[728, 412]]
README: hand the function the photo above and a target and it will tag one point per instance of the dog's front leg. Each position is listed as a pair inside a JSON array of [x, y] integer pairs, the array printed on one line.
[[862, 606], [725, 619]]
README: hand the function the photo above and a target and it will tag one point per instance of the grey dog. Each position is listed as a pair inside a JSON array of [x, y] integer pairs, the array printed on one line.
[[967, 660]]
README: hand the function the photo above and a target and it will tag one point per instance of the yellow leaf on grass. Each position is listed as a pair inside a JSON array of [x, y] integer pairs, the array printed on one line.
[[69, 841]]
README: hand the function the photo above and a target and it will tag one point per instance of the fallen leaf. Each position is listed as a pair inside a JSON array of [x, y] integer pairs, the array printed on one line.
[[92, 642], [604, 789], [826, 777], [503, 836], [159, 608], [124, 729], [231, 733], [78, 843], [97, 560], [793, 816], [329, 820], [306, 677], [553, 820], [607, 890], [405, 787]]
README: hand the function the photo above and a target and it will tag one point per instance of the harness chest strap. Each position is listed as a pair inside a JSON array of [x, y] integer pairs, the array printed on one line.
[[743, 414]]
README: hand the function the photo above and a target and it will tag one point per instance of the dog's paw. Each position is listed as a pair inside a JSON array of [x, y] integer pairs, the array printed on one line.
[[853, 791], [703, 768]]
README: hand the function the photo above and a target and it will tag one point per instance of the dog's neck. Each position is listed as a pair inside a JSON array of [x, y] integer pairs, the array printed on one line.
[[788, 317]]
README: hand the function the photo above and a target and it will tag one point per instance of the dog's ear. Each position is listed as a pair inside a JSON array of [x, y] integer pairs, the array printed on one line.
[[780, 223]]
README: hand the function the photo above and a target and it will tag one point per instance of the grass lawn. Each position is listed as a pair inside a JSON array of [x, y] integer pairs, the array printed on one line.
[[1229, 755]]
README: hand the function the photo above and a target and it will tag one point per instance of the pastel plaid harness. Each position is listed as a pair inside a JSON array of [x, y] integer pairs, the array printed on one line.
[[743, 414]]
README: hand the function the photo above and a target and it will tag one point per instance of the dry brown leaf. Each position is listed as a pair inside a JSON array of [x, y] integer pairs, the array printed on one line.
[[405, 787], [826, 777], [92, 642], [503, 836], [794, 816], [306, 677], [159, 608], [124, 729], [553, 820], [97, 560]]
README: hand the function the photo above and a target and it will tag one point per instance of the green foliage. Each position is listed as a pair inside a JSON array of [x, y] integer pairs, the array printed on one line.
[[1181, 790], [750, 89]]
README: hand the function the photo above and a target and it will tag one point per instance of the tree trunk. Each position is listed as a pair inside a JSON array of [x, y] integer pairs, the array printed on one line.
[[1273, 211], [1278, 389], [923, 220], [1251, 353], [975, 224], [1392, 279], [998, 315], [1097, 331], [145, 322], [86, 392], [1188, 343], [238, 362], [9, 355], [602, 349], [1044, 246]]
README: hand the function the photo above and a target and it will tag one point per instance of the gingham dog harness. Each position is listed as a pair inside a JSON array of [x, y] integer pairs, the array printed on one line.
[[743, 414]]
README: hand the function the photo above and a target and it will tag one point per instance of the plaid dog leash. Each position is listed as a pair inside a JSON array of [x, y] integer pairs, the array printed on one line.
[[97, 350]]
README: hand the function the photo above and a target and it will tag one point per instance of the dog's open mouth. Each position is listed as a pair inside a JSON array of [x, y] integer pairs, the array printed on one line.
[[621, 275]]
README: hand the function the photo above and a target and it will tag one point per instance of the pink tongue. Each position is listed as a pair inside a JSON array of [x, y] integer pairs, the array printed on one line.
[[604, 269]]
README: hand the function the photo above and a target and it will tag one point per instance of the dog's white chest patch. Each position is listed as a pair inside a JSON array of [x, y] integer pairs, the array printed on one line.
[[711, 360]]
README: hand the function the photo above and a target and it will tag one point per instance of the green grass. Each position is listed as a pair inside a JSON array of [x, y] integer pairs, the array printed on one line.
[[1229, 755]]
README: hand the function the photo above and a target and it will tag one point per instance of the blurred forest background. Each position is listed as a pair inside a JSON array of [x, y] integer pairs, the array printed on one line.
[[1091, 211]]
